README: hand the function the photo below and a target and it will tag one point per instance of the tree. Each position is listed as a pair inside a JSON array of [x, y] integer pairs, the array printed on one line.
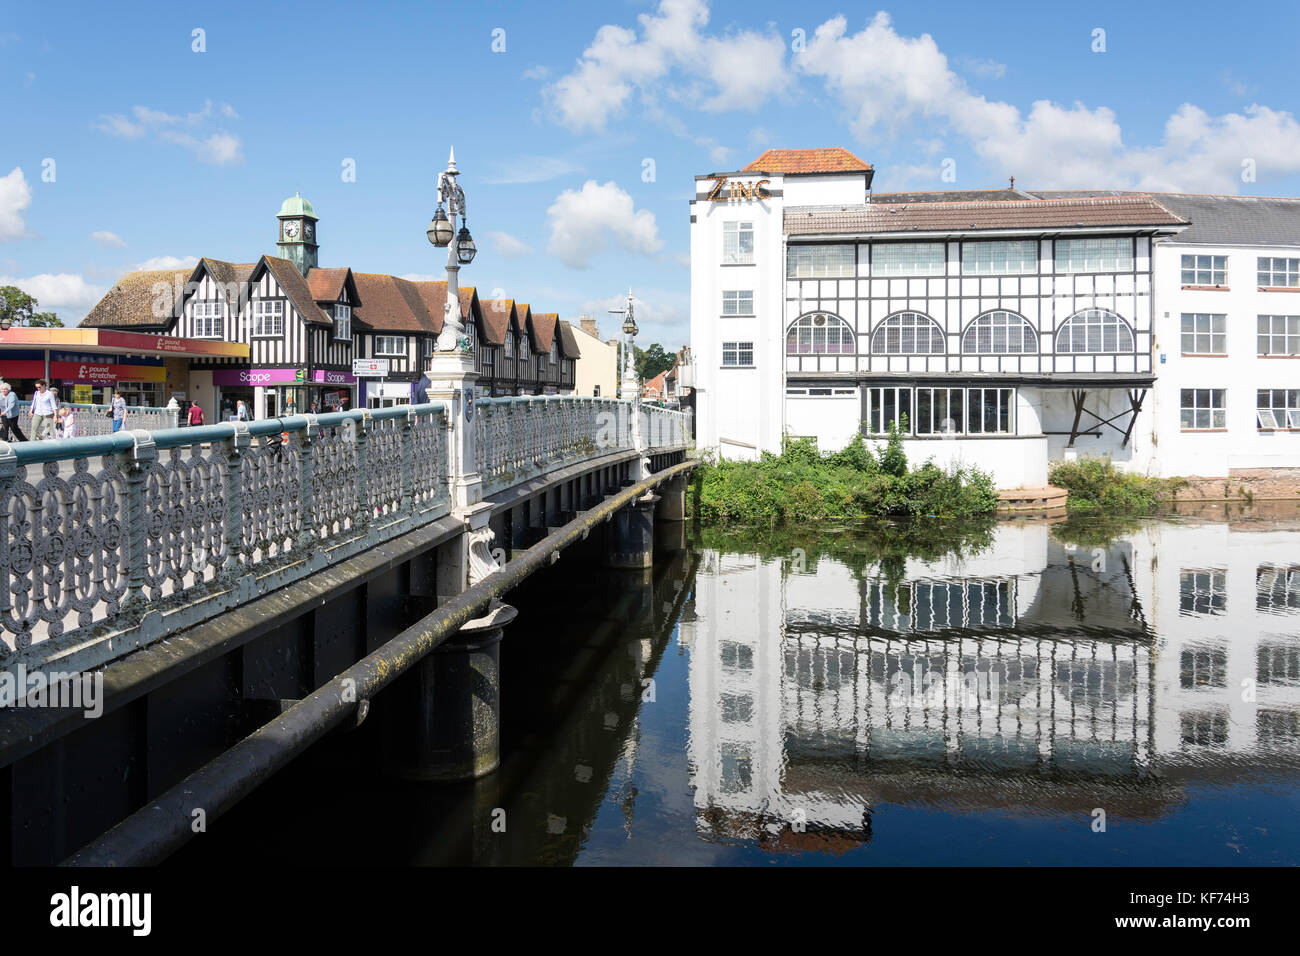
[[652, 361], [21, 309]]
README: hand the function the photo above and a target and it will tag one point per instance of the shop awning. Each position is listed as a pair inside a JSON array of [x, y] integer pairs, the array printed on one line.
[[112, 341]]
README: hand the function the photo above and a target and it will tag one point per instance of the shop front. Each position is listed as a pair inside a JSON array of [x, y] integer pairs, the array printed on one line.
[[86, 379], [273, 392], [333, 391]]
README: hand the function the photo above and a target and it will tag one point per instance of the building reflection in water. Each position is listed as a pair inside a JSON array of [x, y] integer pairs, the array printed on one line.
[[1038, 676]]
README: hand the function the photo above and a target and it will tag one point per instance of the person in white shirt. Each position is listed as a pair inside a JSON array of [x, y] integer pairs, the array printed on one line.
[[44, 406]]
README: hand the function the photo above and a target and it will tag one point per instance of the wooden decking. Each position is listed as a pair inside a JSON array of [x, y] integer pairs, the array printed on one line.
[[1046, 502]]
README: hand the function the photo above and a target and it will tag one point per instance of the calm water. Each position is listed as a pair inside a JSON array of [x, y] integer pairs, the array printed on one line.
[[899, 694]]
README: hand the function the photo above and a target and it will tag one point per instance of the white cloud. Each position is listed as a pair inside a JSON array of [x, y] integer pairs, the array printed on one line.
[[166, 262], [219, 147], [62, 290], [537, 73], [510, 247], [985, 69], [15, 197], [109, 240], [582, 221], [736, 70], [886, 80], [661, 316], [531, 169]]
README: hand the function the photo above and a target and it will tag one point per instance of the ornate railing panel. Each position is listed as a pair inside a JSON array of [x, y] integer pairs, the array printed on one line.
[[95, 420]]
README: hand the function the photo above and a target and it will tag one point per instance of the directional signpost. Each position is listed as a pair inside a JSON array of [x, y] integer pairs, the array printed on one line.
[[371, 368]]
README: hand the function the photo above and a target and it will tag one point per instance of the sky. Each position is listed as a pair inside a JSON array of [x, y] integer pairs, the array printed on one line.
[[147, 135]]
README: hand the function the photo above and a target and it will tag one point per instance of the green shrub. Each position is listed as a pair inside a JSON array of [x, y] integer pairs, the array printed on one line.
[[1096, 485]]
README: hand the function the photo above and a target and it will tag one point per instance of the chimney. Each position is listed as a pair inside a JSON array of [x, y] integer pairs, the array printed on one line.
[[589, 326]]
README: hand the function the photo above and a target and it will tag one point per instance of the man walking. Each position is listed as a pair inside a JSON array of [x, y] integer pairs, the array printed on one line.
[[44, 405], [119, 411], [9, 414]]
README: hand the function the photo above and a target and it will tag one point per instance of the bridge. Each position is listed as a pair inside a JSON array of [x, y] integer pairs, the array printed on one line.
[[237, 591]]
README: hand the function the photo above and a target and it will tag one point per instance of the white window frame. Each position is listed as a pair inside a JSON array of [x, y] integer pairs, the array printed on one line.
[[1204, 333], [384, 345], [734, 299], [1093, 255], [909, 259], [878, 406], [1281, 411], [1277, 272], [1003, 327], [737, 351], [1008, 257], [804, 333], [1082, 325], [734, 234], [821, 261], [1003, 403], [342, 321], [209, 319], [940, 419], [903, 324], [1205, 270], [1208, 405], [268, 318], [1277, 334]]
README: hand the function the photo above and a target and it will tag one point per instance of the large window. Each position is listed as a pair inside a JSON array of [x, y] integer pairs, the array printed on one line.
[[208, 320], [908, 259], [1094, 255], [1205, 333], [1278, 334], [819, 334], [390, 345], [821, 262], [999, 333], [738, 302], [908, 333], [942, 411], [1279, 273], [887, 407], [268, 317], [1277, 408], [737, 243], [1277, 588], [1202, 592], [343, 322], [1203, 409], [1205, 270], [737, 354], [1016, 257], [1095, 330]]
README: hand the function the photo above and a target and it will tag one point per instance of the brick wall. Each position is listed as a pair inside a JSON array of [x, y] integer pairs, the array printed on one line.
[[1265, 483]]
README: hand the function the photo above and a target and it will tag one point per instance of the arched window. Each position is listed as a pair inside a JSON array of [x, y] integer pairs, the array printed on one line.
[[820, 333], [999, 333], [1095, 330], [908, 333]]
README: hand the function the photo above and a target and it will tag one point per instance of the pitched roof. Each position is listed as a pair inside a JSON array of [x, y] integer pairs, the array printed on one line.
[[543, 324], [295, 287], [434, 296], [1237, 220], [569, 341], [145, 298], [390, 304], [1029, 214], [523, 312], [498, 314], [327, 284], [834, 159]]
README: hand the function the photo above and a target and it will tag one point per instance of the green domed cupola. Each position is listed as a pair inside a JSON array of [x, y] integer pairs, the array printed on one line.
[[298, 232]]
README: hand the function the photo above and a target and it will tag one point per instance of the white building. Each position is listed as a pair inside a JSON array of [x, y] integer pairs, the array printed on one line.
[[596, 371], [1011, 328]]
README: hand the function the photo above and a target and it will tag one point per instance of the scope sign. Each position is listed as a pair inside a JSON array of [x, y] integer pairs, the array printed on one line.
[[370, 368], [739, 191]]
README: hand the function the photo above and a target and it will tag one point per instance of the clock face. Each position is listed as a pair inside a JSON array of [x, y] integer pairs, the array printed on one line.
[[307, 229], [291, 230]]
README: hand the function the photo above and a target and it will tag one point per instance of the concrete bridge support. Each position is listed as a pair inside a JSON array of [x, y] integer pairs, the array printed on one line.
[[629, 535]]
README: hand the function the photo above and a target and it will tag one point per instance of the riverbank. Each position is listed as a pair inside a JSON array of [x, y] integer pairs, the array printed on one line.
[[801, 484]]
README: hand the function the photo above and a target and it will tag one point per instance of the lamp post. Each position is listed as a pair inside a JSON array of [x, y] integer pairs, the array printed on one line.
[[460, 248], [628, 388], [6, 323]]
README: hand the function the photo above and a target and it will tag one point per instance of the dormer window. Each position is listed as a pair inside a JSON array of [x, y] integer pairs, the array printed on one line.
[[208, 320], [342, 321], [555, 353]]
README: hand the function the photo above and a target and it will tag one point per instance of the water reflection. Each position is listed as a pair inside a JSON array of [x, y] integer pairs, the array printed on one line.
[[1032, 672]]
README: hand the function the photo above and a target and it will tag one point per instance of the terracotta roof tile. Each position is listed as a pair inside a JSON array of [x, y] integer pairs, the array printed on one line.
[[327, 284], [498, 314], [543, 324], [295, 287], [139, 299], [390, 304], [834, 159], [1030, 214]]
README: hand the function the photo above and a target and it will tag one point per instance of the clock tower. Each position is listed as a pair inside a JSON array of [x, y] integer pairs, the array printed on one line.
[[297, 241]]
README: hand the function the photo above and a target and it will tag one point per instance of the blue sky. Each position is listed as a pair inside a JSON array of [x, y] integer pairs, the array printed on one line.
[[161, 153]]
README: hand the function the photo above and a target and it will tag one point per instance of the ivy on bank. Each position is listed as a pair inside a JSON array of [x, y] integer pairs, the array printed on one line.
[[801, 484]]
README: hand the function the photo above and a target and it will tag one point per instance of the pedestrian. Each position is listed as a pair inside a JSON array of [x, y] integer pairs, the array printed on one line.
[[68, 419], [9, 429], [44, 407], [118, 411], [313, 409], [196, 414], [241, 411]]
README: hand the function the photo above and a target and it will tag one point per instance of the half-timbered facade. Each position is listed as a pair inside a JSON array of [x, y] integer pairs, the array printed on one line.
[[994, 328]]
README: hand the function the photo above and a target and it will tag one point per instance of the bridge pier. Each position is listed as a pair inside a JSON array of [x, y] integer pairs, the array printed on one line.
[[629, 535]]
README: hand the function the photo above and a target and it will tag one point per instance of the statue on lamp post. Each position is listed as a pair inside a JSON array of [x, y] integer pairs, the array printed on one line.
[[460, 252]]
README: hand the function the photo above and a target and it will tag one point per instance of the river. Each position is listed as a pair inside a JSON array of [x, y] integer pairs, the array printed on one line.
[[1088, 692]]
